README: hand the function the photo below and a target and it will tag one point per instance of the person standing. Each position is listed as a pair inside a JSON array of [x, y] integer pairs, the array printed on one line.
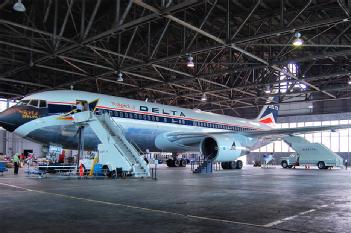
[[346, 164], [79, 107], [16, 161]]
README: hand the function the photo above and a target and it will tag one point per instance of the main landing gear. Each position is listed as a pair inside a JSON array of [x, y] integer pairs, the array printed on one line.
[[232, 164], [176, 163]]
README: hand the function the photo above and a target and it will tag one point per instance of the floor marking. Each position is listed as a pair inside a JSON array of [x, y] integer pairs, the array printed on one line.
[[136, 207], [269, 225], [294, 216]]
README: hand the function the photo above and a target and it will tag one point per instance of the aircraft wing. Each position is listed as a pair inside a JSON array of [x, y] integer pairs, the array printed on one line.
[[297, 130], [272, 133]]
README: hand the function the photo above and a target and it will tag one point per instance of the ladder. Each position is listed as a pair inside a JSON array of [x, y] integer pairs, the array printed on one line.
[[115, 150], [204, 167]]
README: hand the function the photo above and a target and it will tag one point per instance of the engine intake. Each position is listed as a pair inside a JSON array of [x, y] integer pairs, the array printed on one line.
[[209, 148], [223, 148]]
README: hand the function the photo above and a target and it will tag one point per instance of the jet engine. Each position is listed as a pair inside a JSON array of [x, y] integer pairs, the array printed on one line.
[[224, 147]]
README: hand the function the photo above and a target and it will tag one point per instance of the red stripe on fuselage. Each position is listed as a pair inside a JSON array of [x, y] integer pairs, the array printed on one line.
[[160, 115]]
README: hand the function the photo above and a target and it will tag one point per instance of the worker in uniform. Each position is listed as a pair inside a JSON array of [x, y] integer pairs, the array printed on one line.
[[346, 164], [16, 162], [79, 107]]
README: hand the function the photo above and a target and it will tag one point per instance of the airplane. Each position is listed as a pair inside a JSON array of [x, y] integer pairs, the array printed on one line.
[[151, 126]]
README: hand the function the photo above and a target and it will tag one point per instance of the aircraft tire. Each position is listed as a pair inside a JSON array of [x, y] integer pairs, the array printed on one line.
[[239, 164], [231, 165], [183, 163], [284, 164], [112, 174], [170, 163], [177, 163], [224, 165], [321, 165], [105, 171]]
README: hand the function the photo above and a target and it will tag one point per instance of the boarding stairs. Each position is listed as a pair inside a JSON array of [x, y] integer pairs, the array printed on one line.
[[115, 150], [311, 152]]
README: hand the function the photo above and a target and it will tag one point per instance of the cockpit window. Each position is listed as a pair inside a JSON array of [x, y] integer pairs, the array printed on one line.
[[42, 104], [33, 103], [22, 102]]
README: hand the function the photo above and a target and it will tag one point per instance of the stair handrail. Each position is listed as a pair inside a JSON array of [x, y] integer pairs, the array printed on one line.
[[131, 145], [139, 150]]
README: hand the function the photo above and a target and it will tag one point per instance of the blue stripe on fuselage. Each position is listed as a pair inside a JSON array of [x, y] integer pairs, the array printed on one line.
[[58, 108]]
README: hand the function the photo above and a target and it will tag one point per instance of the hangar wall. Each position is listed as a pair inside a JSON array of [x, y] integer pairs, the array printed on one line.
[[11, 144]]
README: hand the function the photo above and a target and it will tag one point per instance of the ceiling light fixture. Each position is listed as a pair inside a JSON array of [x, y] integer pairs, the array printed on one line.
[[297, 42], [119, 76], [190, 62], [18, 6], [204, 97]]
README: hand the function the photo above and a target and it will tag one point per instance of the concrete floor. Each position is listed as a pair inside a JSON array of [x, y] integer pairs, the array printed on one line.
[[248, 200]]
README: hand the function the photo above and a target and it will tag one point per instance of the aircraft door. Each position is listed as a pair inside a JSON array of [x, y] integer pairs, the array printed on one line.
[[82, 105]]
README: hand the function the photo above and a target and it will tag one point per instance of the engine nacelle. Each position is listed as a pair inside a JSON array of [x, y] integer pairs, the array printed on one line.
[[222, 148]]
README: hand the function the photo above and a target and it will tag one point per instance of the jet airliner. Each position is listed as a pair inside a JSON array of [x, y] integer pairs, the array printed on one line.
[[42, 117]]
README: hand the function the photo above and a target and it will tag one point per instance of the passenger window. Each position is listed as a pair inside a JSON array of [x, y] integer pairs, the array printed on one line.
[[42, 104], [33, 103]]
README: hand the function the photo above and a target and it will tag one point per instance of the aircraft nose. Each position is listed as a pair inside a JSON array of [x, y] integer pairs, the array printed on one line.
[[6, 121]]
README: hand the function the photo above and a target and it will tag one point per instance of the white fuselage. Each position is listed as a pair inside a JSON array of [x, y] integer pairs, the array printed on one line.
[[141, 121]]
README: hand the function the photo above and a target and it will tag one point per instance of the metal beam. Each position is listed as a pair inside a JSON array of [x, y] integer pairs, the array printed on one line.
[[344, 8], [22, 82], [92, 18], [61, 70], [75, 45], [23, 47], [159, 39], [11, 94], [51, 35], [301, 11], [128, 46], [65, 21], [246, 19], [220, 41], [202, 23]]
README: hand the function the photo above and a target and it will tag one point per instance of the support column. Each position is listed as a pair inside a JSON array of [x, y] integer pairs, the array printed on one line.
[[80, 144]]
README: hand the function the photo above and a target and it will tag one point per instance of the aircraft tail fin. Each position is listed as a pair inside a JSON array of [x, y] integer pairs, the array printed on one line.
[[269, 112]]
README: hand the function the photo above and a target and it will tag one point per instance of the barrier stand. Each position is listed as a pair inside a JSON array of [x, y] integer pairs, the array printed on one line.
[[192, 165], [217, 166], [154, 169]]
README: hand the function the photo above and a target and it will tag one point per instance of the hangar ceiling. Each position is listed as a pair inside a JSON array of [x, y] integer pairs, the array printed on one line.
[[240, 48]]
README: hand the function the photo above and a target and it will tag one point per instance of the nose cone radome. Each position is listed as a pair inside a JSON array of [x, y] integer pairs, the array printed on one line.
[[8, 121]]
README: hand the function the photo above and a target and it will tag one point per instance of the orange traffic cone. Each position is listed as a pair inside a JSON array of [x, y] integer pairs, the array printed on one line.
[[81, 170]]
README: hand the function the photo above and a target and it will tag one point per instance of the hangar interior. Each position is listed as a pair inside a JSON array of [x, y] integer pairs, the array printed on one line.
[[228, 57], [242, 56]]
